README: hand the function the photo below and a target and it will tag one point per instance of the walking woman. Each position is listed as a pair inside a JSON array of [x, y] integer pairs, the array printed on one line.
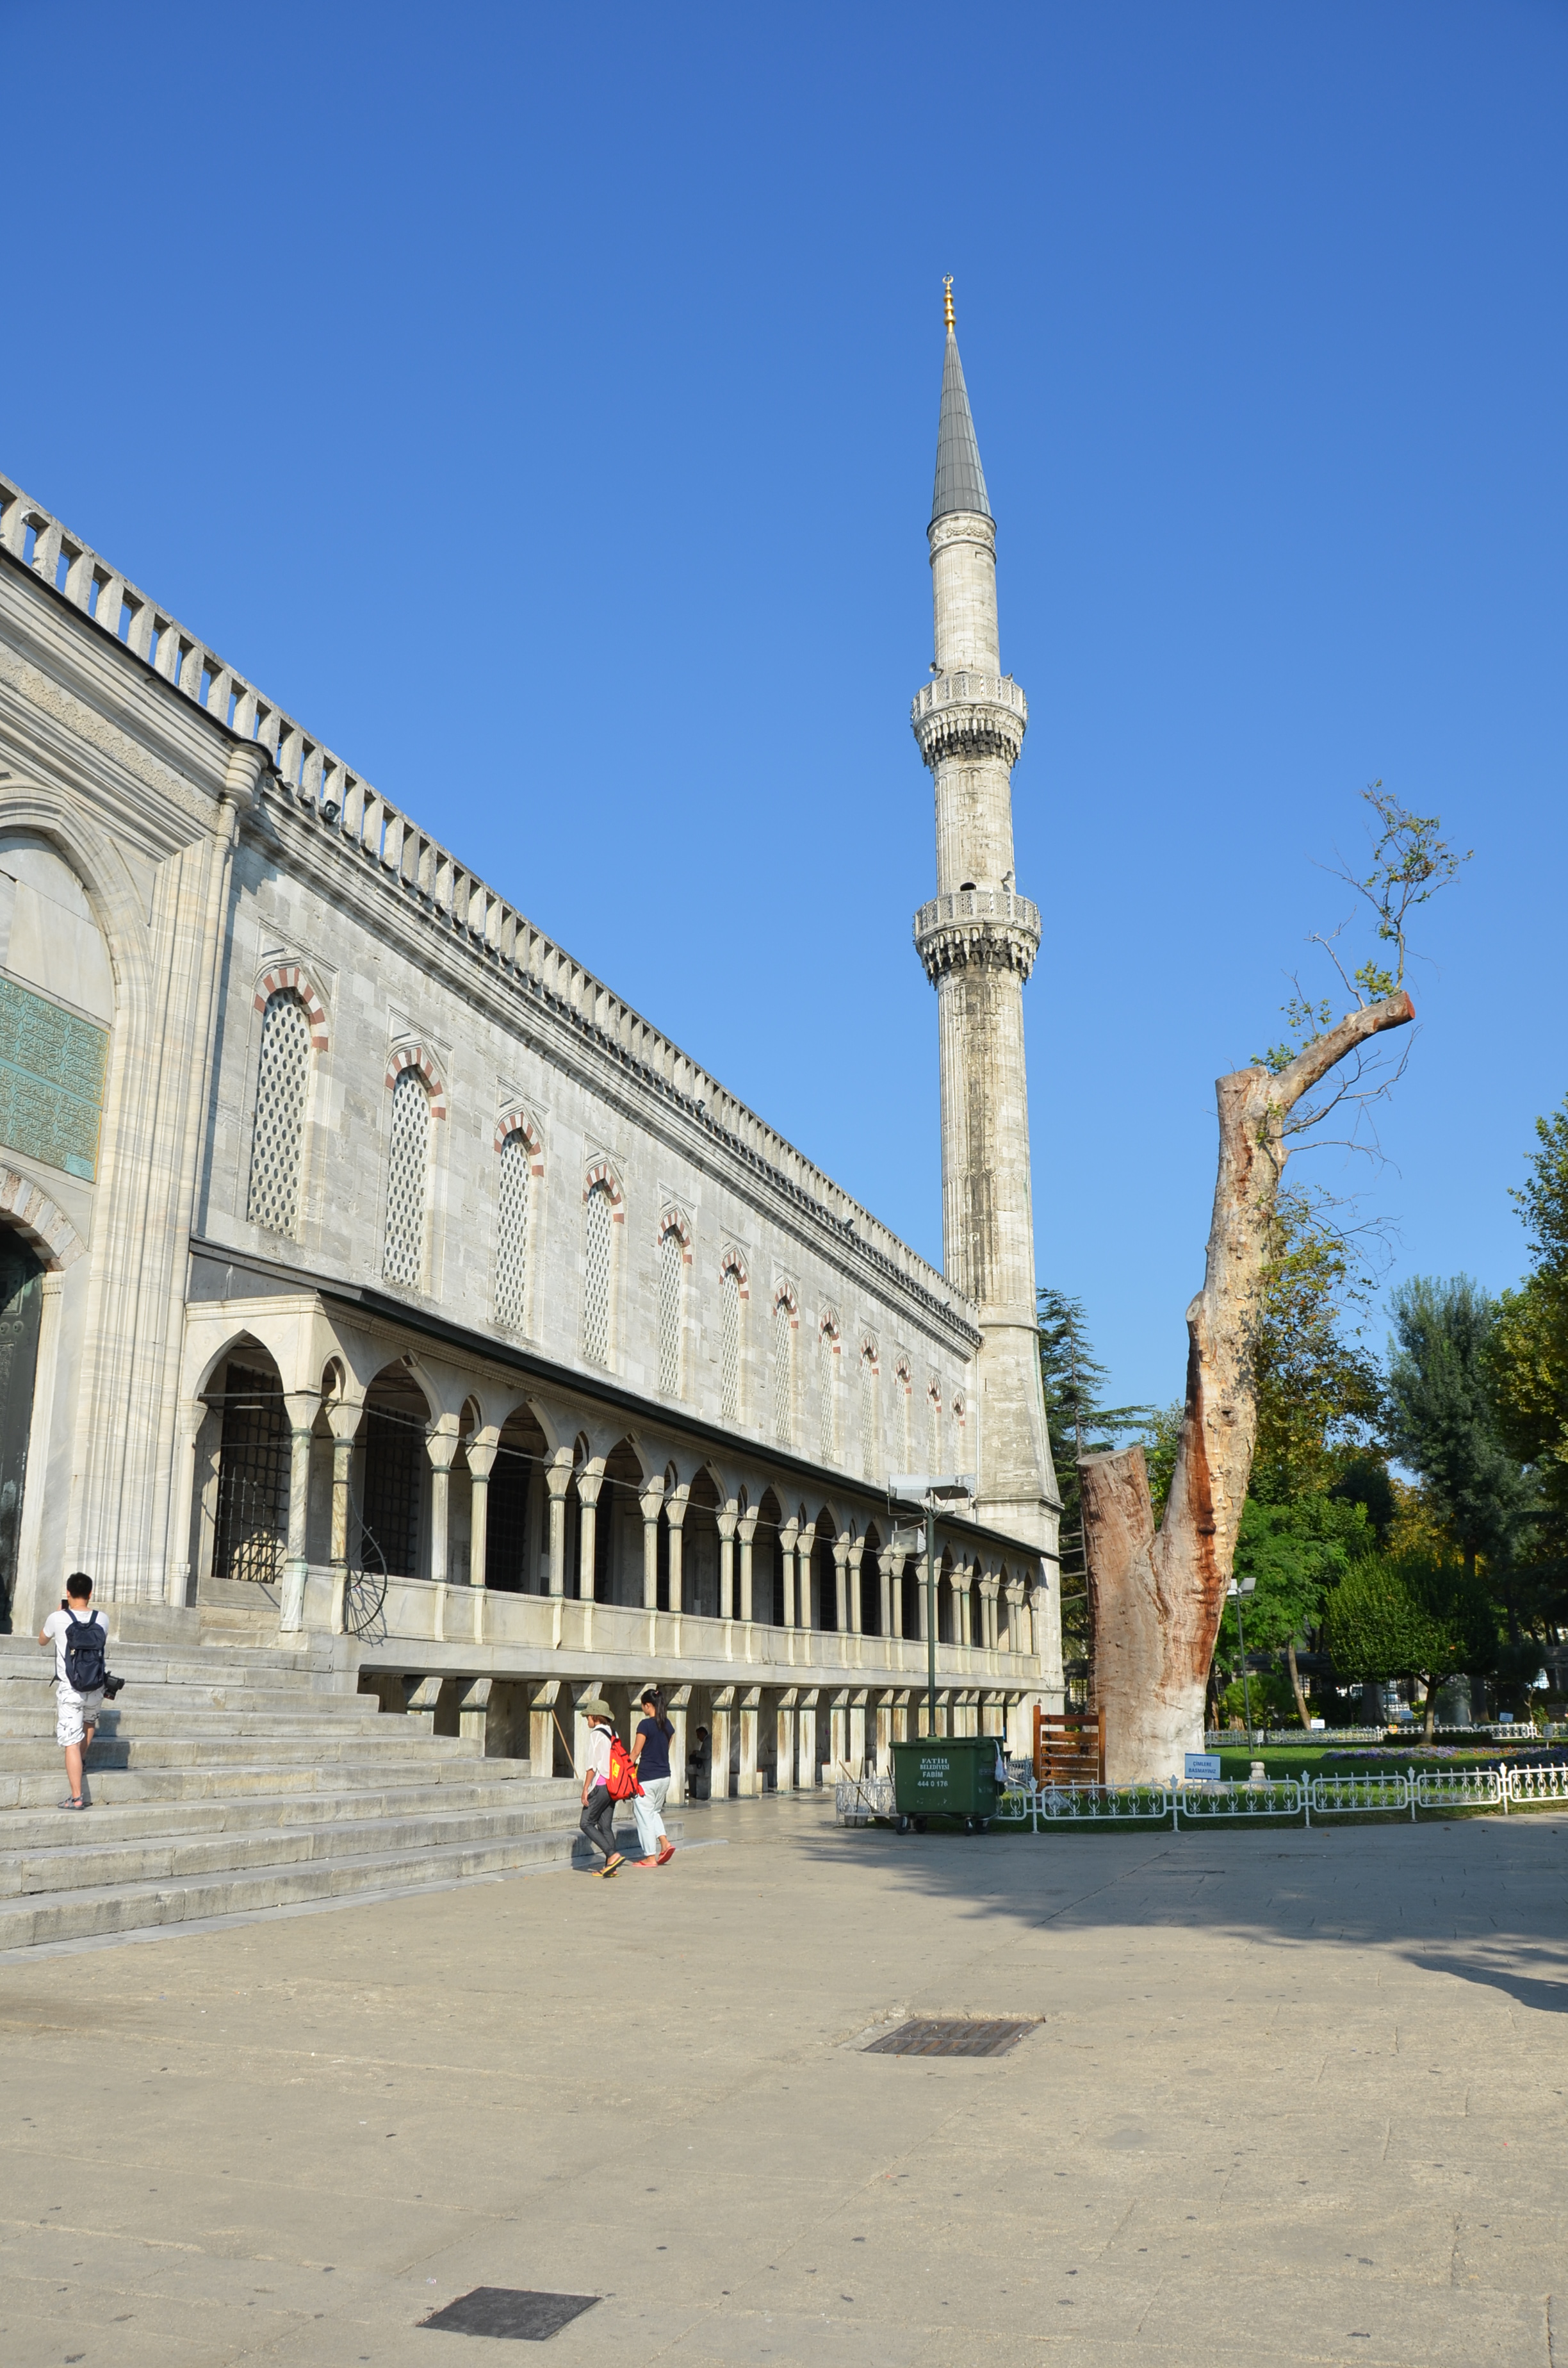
[[598, 1809], [651, 1754]]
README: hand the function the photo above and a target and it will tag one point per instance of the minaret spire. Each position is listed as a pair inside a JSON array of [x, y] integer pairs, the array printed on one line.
[[978, 938]]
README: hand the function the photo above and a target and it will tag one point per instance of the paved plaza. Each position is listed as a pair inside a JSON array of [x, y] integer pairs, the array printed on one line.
[[1291, 2097]]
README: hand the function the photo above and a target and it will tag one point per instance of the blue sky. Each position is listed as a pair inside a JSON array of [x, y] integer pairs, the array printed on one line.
[[541, 405]]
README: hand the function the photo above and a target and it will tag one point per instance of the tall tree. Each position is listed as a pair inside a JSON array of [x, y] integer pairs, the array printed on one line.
[[1396, 1619], [1156, 1598], [1443, 1421], [1527, 1353]]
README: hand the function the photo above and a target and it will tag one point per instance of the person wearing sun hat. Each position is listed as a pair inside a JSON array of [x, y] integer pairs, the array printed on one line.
[[598, 1809]]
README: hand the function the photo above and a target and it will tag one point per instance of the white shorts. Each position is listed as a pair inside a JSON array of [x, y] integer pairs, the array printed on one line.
[[75, 1713]]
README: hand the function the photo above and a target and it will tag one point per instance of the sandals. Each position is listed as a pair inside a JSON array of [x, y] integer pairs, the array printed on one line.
[[73, 1804]]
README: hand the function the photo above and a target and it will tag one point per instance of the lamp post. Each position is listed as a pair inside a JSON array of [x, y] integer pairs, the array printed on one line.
[[929, 1491], [1237, 1592]]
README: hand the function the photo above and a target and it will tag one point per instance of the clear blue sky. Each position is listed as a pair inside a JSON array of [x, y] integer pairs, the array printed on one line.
[[541, 405]]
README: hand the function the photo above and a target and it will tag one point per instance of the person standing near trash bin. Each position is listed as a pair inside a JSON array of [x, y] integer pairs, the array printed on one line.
[[651, 1756], [598, 1808]]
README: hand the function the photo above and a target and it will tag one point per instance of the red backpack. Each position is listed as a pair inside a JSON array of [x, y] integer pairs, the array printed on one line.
[[621, 1782]]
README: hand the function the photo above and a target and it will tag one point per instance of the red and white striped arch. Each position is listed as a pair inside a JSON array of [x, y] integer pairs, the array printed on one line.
[[293, 978], [415, 1056], [518, 1122]]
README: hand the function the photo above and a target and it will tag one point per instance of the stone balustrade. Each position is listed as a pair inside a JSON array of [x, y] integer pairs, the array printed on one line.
[[317, 785], [967, 713], [977, 926]]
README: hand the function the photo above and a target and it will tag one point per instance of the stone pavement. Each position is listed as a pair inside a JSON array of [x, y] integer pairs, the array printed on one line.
[[1293, 2097]]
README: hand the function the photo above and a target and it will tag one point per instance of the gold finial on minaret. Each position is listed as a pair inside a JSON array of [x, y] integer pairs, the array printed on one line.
[[948, 301]]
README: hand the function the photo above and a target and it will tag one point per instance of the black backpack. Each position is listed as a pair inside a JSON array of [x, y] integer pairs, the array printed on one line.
[[84, 1642]]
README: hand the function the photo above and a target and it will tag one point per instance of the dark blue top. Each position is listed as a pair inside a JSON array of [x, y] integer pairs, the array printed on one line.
[[654, 1757]]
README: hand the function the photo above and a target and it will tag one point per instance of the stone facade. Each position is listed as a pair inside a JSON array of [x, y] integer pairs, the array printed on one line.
[[376, 1271]]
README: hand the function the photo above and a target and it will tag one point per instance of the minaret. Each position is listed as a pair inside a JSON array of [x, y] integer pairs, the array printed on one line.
[[978, 938]]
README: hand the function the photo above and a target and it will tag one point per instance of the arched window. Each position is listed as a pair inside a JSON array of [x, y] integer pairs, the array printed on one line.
[[672, 1281], [870, 1410], [512, 1230], [598, 1236], [827, 1394], [905, 1394], [279, 1134], [730, 1342], [783, 1371], [408, 1169], [933, 1427]]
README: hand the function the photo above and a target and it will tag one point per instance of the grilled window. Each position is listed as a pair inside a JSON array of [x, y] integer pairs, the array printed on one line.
[[672, 1271], [512, 1231], [870, 1427], [407, 1174], [827, 1408], [934, 1428], [597, 1217], [783, 1372], [394, 1466], [730, 1344], [278, 1134]]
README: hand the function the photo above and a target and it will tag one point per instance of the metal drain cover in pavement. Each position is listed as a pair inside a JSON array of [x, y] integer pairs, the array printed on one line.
[[951, 2039], [509, 2310]]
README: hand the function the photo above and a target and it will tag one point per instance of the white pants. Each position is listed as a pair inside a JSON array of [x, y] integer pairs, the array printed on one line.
[[646, 1807], [74, 1712]]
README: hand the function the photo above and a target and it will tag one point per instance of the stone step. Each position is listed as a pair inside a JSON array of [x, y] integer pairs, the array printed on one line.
[[187, 1857], [40, 1786], [124, 1907], [42, 1823], [193, 1719], [21, 1655], [129, 1749]]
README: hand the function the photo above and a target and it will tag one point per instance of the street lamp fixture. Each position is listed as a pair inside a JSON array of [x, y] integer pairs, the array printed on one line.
[[929, 1490], [1237, 1593]]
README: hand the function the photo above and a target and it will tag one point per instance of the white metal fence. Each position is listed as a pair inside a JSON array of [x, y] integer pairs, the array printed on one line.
[[1202, 1802], [1236, 1739]]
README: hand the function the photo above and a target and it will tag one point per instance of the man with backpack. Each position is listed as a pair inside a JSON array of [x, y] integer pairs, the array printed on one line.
[[78, 1635], [608, 1777]]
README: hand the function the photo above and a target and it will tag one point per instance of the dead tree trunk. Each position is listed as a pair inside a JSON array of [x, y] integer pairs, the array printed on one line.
[[1155, 1598]]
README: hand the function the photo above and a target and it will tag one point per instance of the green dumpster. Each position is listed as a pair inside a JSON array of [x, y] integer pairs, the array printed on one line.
[[946, 1776]]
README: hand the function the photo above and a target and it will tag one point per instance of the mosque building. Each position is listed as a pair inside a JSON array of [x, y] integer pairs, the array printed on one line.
[[372, 1276]]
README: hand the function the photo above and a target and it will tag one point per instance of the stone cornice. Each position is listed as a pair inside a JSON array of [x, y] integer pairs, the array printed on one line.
[[977, 929]]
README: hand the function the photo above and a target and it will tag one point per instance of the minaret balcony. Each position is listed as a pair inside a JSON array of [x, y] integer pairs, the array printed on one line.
[[969, 714], [977, 927]]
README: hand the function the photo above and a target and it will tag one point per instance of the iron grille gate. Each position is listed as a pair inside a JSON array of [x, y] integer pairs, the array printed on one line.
[[253, 1480]]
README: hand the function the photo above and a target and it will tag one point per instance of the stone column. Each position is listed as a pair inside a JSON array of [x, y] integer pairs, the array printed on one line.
[[589, 1483], [746, 1530], [806, 1763], [473, 1709], [882, 1733], [718, 1787], [675, 1515], [301, 1406], [558, 1479], [923, 1587], [856, 1746], [841, 1586], [650, 1499], [441, 1446], [542, 1727], [988, 1612], [787, 1543], [727, 1563], [853, 1559], [482, 1454], [785, 1731], [750, 1783], [885, 1576], [344, 1418], [675, 1707]]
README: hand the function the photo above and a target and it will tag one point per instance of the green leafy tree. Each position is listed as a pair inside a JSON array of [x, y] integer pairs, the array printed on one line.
[[1528, 1351], [1444, 1423], [1319, 1392], [1428, 1620], [1080, 1423], [1297, 1551]]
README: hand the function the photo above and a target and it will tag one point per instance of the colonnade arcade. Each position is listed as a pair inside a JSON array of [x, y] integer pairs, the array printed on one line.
[[320, 1445]]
